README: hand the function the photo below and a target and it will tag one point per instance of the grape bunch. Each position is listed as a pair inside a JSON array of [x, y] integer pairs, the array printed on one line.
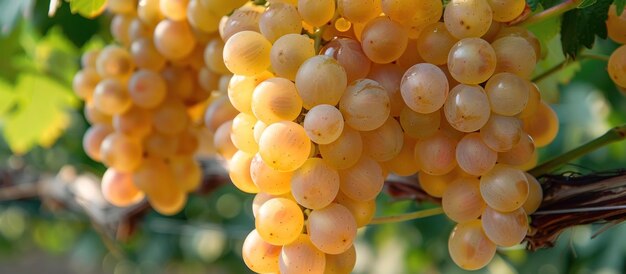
[[616, 28], [146, 95], [329, 97]]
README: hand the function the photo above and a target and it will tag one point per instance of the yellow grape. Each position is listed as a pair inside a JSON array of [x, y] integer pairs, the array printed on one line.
[[515, 55], [276, 99], [419, 125], [472, 60], [174, 39], [508, 94], [616, 25], [201, 17], [321, 80], [461, 200], [506, 10], [174, 9], [365, 105], [239, 172], [316, 12], [119, 190], [92, 140], [535, 195], [180, 81], [187, 172], [345, 151], [156, 179], [269, 180], [208, 80], [383, 40], [323, 124], [95, 116], [149, 11], [474, 156], [332, 229], [147, 89], [222, 141], [214, 57], [467, 108], [188, 141], [404, 164], [259, 255], [243, 19], [223, 7], [259, 199], [259, 127], [301, 257], [135, 122], [467, 18], [114, 62], [111, 97], [242, 133], [504, 188], [469, 247], [435, 43], [121, 6], [385, 142], [517, 31], [363, 211], [520, 153], [505, 229], [160, 145], [289, 52], [436, 185], [501, 133], [121, 152], [138, 30], [315, 184], [350, 55], [410, 57], [543, 125], [170, 117], [358, 11], [241, 87], [362, 181], [534, 98], [424, 88], [280, 19], [279, 221], [119, 28], [218, 113], [341, 263], [89, 59], [247, 53], [85, 82], [146, 55], [414, 15], [493, 31], [284, 146], [617, 66], [435, 155], [390, 77]]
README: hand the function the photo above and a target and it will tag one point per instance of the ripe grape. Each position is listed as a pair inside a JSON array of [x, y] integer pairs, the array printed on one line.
[[315, 184], [424, 88], [472, 60], [276, 99], [616, 25], [467, 108], [617, 66], [435, 155], [414, 15], [469, 247], [365, 105], [92, 140], [404, 164], [247, 53], [390, 77], [467, 18], [118, 188], [341, 263], [121, 6], [301, 257], [279, 221], [534, 98], [505, 229], [213, 56], [419, 125], [267, 179], [316, 12], [508, 94], [332, 229], [242, 133], [280, 19], [244, 19], [289, 52], [222, 141], [149, 11], [323, 124], [174, 9], [363, 211], [240, 89], [383, 40], [258, 255], [147, 89], [119, 28], [174, 39], [504, 188], [187, 172], [506, 10], [89, 59], [321, 80], [345, 151], [160, 145], [350, 55], [362, 181], [535, 195], [138, 30], [121, 152], [543, 126], [202, 17], [521, 32], [218, 113], [514, 55], [385, 142], [145, 55], [358, 11], [114, 62], [461, 201], [111, 97], [170, 117], [135, 122], [284, 146], [85, 82], [501, 133], [519, 154], [474, 156], [239, 172], [435, 43]]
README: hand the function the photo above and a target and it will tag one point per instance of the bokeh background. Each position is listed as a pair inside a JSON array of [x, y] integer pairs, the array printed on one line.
[[52, 219]]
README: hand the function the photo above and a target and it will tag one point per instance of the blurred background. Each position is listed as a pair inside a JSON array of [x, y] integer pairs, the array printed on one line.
[[53, 220]]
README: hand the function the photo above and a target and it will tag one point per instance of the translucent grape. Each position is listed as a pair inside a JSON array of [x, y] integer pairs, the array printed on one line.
[[174, 39], [239, 172], [505, 229], [121, 6], [243, 19], [156, 179], [472, 60], [222, 141], [147, 89], [321, 80], [208, 80], [187, 172], [247, 53], [424, 88], [258, 255], [301, 257], [414, 15], [135, 122], [461, 201], [501, 133], [121, 152], [436, 185], [146, 55], [617, 66], [119, 28], [267, 179], [467, 18], [517, 31], [279, 221], [323, 124], [365, 105], [467, 108], [276, 99], [174, 9], [89, 59], [242, 133], [170, 117], [114, 62], [111, 97], [404, 164], [218, 113], [504, 188], [616, 25], [341, 263], [92, 140], [520, 153], [390, 77], [508, 94], [506, 10], [350, 55], [410, 57], [284, 146], [543, 126], [138, 30], [515, 55], [345, 151], [435, 43], [85, 82], [332, 229], [358, 11], [289, 52], [435, 155], [240, 90], [385, 142], [149, 11], [316, 12], [383, 40], [315, 184], [362, 181], [534, 98], [180, 82], [469, 247], [474, 156], [202, 17], [278, 20], [259, 127], [535, 195], [119, 190], [213, 56]]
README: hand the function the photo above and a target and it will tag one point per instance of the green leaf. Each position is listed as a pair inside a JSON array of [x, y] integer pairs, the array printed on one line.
[[620, 5], [40, 112], [534, 4], [7, 98], [586, 3], [87, 8], [11, 12], [581, 26]]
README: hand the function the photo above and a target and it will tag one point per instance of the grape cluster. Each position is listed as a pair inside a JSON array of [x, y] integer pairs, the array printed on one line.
[[146, 95], [329, 97], [616, 27]]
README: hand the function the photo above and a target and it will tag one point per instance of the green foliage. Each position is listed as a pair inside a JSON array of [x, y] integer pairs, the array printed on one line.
[[87, 8], [620, 5], [10, 13], [581, 26]]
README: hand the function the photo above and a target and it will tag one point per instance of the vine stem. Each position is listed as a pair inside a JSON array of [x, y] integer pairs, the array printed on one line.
[[317, 37], [407, 216], [552, 12], [613, 135], [566, 62]]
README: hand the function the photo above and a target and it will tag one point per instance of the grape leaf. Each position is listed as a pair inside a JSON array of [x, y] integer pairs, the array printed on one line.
[[620, 5], [581, 26], [87, 8]]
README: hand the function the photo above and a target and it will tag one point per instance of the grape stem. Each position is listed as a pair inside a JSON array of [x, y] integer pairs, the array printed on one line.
[[407, 216], [317, 37], [550, 13], [567, 62], [613, 135]]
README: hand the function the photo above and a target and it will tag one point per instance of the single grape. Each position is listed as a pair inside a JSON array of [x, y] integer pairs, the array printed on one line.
[[222, 141], [467, 18], [315, 184], [506, 10], [390, 77], [404, 164], [332, 229], [267, 179], [323, 124], [424, 88], [341, 263], [316, 12], [174, 39], [543, 125], [508, 94], [435, 43], [461, 201], [535, 195], [345, 151], [121, 152], [469, 247], [289, 52], [515, 55], [145, 55], [284, 146], [135, 122], [358, 11], [279, 221], [616, 25], [520, 153], [383, 40], [240, 89], [301, 257], [384, 143], [170, 117], [435, 155], [350, 55], [239, 172], [258, 255], [242, 133], [92, 140], [474, 156], [147, 88], [363, 211], [362, 181], [617, 66], [85, 82], [278, 20], [111, 97], [504, 188], [321, 80], [247, 53], [114, 62], [505, 229], [276, 99], [472, 60], [467, 108], [365, 105], [419, 125]]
